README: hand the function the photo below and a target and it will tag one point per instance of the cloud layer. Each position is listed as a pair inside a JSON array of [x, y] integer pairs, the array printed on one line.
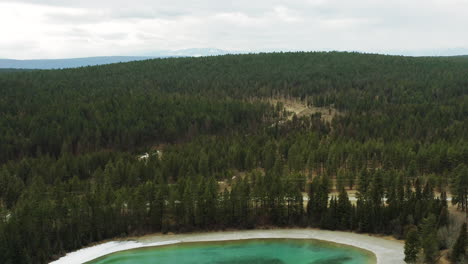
[[58, 29]]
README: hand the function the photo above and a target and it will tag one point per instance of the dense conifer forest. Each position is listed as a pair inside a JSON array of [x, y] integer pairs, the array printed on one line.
[[221, 155]]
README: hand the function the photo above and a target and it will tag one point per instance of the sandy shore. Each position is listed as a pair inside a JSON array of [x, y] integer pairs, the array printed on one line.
[[386, 251]]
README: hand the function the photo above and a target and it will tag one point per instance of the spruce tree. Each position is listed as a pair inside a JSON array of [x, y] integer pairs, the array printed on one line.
[[412, 246], [429, 242], [311, 202], [344, 210], [460, 186]]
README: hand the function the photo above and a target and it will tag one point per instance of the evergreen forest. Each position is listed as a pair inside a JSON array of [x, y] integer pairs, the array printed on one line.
[[211, 143]]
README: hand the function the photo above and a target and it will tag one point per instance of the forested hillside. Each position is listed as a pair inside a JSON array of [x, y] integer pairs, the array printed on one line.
[[221, 156]]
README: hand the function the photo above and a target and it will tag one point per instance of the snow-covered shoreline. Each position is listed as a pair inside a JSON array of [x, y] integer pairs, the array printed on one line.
[[386, 251]]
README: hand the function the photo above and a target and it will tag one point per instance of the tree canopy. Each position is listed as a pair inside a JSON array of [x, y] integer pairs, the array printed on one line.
[[221, 155]]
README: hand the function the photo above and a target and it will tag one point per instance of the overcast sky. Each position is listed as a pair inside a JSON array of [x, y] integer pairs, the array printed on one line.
[[32, 29]]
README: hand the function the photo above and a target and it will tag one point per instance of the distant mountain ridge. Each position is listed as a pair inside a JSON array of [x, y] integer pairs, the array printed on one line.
[[90, 61], [194, 52], [66, 63], [431, 52]]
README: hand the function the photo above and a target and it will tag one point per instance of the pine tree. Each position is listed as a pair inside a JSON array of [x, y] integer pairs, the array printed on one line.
[[157, 209], [344, 210], [340, 179], [210, 197], [318, 200], [412, 246], [188, 205], [429, 239], [311, 203], [363, 184], [460, 186]]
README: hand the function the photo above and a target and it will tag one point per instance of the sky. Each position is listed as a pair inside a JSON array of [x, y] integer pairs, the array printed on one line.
[[39, 29]]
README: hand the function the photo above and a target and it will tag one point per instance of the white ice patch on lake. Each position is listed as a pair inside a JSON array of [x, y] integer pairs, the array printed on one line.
[[94, 252]]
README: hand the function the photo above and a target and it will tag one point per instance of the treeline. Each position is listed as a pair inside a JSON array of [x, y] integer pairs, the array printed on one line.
[[124, 196], [124, 105], [54, 206], [307, 153]]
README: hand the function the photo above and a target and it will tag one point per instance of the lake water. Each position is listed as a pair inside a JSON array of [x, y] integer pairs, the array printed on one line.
[[254, 251]]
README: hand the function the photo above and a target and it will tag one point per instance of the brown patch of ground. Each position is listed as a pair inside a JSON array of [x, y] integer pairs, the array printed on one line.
[[300, 109], [444, 259]]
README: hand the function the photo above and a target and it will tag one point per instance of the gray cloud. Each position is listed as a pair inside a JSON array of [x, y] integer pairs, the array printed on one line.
[[105, 27]]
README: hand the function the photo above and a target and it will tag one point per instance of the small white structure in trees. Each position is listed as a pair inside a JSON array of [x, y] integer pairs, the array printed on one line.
[[144, 156]]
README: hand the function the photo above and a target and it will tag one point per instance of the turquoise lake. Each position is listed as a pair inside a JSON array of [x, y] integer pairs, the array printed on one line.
[[254, 251]]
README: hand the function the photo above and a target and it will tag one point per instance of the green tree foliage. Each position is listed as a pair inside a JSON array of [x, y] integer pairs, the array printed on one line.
[[429, 239], [221, 156], [460, 186], [412, 245]]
